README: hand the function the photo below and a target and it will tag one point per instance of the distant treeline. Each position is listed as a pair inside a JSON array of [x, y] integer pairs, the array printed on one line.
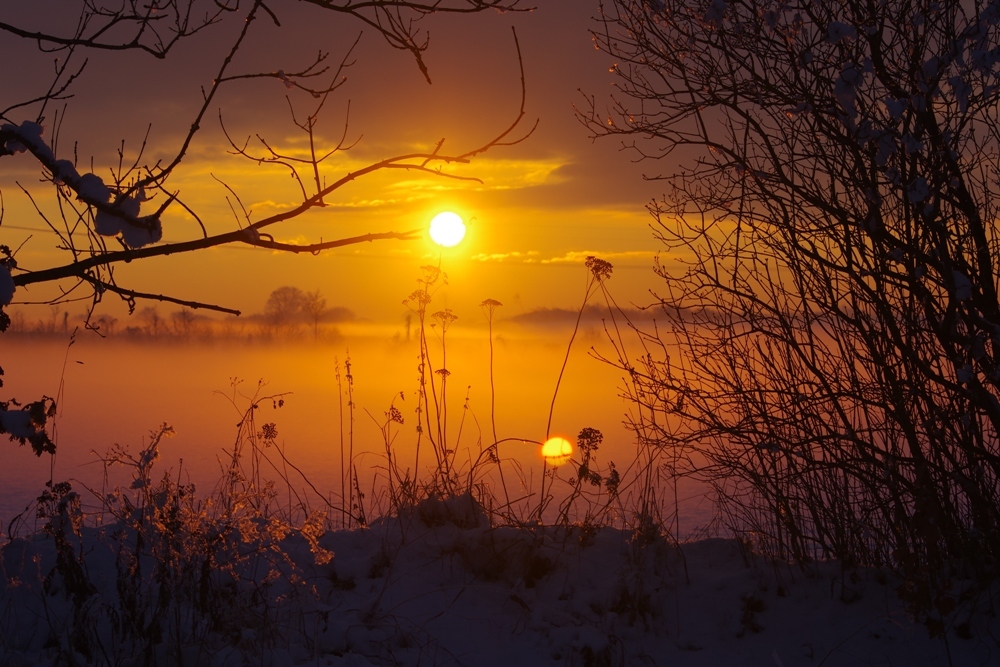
[[592, 314], [289, 314]]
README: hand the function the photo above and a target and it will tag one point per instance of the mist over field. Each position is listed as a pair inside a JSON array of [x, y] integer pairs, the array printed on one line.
[[115, 390]]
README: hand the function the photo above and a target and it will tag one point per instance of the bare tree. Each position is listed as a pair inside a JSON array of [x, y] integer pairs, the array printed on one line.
[[153, 320], [314, 308], [115, 217], [283, 308], [107, 324], [832, 360], [183, 322]]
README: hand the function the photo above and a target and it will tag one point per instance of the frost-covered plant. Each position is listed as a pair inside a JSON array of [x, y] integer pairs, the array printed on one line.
[[431, 410], [189, 574], [448, 478]]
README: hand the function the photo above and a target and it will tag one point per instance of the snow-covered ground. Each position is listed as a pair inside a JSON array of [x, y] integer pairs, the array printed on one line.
[[440, 586]]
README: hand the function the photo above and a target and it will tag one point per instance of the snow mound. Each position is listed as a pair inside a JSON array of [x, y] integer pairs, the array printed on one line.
[[439, 585]]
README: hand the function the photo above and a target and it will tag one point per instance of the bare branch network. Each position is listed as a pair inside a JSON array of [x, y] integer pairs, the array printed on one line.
[[833, 351], [105, 220], [103, 225]]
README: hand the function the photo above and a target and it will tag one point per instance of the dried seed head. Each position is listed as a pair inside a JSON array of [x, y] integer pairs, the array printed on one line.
[[599, 267]]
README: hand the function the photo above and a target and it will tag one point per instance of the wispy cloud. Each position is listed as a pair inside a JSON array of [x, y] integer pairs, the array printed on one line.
[[579, 256], [529, 257], [572, 257], [500, 175], [264, 193]]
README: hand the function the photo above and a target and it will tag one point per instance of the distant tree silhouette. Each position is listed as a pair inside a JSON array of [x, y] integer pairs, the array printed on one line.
[[284, 305], [283, 308], [315, 309], [287, 306], [153, 320], [183, 322]]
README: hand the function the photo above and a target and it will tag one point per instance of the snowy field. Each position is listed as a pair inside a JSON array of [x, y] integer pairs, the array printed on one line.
[[158, 574], [440, 586]]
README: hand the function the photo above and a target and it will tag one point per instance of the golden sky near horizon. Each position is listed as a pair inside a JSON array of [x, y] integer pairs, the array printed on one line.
[[542, 206]]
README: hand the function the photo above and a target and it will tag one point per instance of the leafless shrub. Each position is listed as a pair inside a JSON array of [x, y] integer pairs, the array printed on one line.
[[830, 355]]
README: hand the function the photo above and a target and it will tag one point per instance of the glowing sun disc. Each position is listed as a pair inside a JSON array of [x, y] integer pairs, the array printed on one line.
[[447, 229], [557, 451]]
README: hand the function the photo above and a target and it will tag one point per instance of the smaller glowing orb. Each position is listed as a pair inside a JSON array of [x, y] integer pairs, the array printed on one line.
[[557, 451], [447, 229]]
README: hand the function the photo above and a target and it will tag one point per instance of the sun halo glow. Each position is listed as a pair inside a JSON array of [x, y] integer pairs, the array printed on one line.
[[447, 229]]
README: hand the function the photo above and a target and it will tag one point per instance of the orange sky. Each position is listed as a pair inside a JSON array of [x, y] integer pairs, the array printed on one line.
[[544, 204]]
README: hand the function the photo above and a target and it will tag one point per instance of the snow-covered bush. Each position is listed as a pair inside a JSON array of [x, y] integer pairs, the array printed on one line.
[[156, 574], [830, 357]]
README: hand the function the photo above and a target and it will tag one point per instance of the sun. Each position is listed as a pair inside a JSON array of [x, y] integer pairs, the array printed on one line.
[[557, 451], [447, 229]]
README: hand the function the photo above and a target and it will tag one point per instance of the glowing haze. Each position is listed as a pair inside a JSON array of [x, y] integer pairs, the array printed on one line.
[[540, 207], [512, 226]]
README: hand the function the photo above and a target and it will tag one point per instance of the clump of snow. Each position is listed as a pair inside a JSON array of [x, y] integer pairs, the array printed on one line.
[[845, 89], [65, 172], [962, 90], [107, 224], [911, 144], [983, 57], [149, 231], [963, 286], [931, 68], [285, 80], [31, 131], [772, 17], [895, 107], [124, 219], [965, 374], [13, 146], [886, 148], [92, 189], [918, 189], [991, 13], [715, 13], [18, 423], [838, 32], [462, 510], [29, 137]]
